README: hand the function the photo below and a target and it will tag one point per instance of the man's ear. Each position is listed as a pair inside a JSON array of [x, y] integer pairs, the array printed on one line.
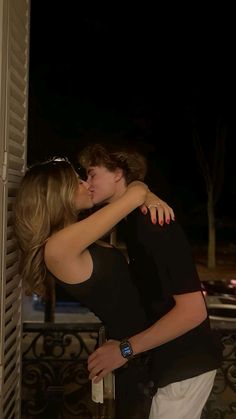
[[118, 174]]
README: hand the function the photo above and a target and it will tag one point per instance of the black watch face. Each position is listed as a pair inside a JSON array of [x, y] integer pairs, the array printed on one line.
[[126, 349]]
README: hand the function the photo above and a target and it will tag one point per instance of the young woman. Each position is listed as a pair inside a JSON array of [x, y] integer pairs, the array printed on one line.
[[52, 240]]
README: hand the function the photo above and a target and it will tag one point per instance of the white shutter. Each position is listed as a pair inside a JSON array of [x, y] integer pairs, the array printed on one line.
[[14, 40]]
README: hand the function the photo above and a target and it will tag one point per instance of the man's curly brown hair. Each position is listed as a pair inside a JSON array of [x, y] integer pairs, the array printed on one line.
[[132, 163]]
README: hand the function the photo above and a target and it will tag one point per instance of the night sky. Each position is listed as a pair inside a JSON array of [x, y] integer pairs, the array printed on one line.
[[147, 77]]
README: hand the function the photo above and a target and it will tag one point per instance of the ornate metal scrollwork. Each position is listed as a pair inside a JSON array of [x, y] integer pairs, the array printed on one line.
[[54, 375], [55, 381], [222, 401]]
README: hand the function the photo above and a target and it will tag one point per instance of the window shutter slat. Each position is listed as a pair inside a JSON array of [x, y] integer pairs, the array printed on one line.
[[14, 45]]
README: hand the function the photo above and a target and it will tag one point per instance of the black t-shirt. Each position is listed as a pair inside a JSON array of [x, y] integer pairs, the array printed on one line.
[[162, 265]]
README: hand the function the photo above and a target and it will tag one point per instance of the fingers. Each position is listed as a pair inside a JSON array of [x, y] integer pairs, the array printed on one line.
[[97, 365], [165, 214], [99, 376], [143, 209], [160, 211], [95, 369], [168, 213], [160, 214], [105, 359], [155, 211], [92, 357], [172, 214]]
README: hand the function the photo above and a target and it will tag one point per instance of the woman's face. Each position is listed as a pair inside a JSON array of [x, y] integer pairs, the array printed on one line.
[[83, 197]]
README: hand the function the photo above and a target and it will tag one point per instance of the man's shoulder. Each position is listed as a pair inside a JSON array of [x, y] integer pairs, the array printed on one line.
[[143, 227], [144, 221]]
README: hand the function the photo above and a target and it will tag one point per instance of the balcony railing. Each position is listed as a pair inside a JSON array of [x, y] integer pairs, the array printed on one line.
[[55, 379], [54, 373]]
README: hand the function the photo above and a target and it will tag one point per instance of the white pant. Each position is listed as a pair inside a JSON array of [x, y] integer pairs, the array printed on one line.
[[184, 399]]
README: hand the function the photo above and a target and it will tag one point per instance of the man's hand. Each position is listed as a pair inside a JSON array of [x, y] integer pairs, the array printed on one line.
[[104, 360], [157, 209]]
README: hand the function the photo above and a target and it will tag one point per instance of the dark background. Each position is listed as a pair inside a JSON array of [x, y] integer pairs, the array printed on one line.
[[146, 76]]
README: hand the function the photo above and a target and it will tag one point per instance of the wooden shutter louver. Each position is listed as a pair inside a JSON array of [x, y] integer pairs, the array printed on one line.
[[14, 89]]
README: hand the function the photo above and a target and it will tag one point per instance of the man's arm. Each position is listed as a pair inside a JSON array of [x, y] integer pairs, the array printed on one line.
[[171, 250], [189, 311]]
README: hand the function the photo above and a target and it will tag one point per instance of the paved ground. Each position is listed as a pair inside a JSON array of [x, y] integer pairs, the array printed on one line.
[[225, 263]]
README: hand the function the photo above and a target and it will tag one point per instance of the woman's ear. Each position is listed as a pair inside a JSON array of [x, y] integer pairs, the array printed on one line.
[[118, 174]]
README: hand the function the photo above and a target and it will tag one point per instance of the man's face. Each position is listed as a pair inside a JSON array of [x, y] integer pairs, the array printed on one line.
[[102, 184]]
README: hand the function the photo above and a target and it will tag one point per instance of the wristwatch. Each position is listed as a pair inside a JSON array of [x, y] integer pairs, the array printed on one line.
[[126, 349]]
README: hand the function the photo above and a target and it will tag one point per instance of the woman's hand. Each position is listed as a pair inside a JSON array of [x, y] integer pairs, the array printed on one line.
[[158, 209]]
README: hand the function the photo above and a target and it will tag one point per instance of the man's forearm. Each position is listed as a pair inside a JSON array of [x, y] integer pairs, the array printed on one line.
[[184, 316]]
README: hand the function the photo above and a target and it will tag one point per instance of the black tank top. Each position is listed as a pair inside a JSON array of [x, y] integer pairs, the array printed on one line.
[[110, 293]]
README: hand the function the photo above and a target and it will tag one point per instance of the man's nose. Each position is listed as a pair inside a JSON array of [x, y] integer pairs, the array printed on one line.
[[89, 183], [90, 188]]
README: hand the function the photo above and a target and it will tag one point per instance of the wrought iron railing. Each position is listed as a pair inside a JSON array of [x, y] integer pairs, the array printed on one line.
[[54, 371], [222, 401], [55, 381]]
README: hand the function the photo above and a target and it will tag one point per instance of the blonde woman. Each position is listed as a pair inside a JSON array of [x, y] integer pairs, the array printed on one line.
[[52, 240]]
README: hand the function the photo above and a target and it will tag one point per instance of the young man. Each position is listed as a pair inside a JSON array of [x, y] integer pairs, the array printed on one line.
[[186, 354]]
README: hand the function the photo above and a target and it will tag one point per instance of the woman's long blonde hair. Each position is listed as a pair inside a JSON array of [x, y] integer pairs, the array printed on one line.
[[45, 203]]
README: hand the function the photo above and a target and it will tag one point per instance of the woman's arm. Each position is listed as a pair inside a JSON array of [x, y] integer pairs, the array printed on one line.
[[74, 239], [189, 311]]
